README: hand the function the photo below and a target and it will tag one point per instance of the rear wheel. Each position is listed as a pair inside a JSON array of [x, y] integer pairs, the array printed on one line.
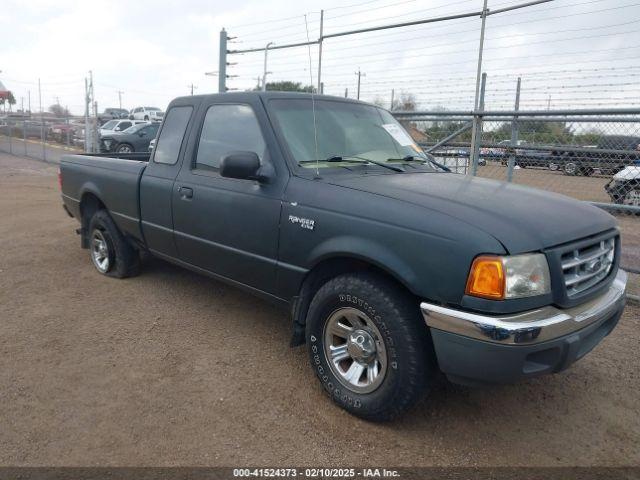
[[124, 148], [368, 345], [110, 252], [570, 168]]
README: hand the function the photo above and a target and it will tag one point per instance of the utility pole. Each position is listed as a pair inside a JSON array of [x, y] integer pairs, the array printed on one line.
[[40, 97], [222, 63], [264, 75], [120, 92], [192, 87], [359, 74], [392, 95], [320, 52], [346, 93], [86, 115]]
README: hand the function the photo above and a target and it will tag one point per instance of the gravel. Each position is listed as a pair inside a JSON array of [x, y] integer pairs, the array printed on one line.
[[171, 368]]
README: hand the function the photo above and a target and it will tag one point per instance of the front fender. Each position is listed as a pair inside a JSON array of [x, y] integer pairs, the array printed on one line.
[[368, 251]]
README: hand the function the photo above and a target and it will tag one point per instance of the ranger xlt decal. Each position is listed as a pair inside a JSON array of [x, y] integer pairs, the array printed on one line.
[[303, 222]]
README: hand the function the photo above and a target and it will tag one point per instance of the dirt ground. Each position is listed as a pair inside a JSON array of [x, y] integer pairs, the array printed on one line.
[[171, 368]]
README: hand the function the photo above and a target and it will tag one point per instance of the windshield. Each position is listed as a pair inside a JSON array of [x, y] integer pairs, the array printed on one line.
[[135, 128], [344, 129], [109, 125]]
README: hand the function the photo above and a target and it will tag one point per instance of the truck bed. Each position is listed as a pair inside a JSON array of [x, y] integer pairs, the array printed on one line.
[[115, 181]]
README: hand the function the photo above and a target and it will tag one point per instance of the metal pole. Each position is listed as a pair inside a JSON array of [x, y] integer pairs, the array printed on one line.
[[264, 74], [29, 97], [359, 74], [392, 95], [477, 132], [481, 47], [320, 52], [120, 92], [40, 97], [86, 115], [94, 129], [222, 62], [346, 92], [514, 135]]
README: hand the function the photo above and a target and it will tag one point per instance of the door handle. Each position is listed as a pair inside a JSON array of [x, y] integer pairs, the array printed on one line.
[[186, 193]]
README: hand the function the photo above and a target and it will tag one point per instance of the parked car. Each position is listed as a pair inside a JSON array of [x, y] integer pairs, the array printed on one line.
[[150, 114], [118, 126], [133, 139], [112, 113], [390, 267], [29, 129], [61, 132], [624, 187], [610, 155]]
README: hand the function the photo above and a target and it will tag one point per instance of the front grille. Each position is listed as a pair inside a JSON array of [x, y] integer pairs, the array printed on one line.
[[586, 266]]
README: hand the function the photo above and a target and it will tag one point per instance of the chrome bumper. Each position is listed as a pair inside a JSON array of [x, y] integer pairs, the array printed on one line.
[[534, 326]]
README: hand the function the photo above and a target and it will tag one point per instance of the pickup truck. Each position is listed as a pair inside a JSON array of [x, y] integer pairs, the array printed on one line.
[[392, 268]]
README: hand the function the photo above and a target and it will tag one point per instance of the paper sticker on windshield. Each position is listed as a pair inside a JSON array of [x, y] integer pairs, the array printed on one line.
[[398, 134]]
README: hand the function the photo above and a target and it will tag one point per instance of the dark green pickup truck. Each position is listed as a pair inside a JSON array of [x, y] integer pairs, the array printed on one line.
[[392, 268]]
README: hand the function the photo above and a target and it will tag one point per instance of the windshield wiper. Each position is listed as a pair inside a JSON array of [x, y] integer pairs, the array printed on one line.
[[351, 158], [427, 158]]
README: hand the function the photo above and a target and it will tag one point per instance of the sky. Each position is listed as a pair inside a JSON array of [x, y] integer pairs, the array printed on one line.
[[569, 53]]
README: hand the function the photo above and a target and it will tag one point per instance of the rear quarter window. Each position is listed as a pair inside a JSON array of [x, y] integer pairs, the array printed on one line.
[[168, 144]]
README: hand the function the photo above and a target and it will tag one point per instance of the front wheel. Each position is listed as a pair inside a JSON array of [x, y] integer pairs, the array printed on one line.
[[553, 166], [369, 346]]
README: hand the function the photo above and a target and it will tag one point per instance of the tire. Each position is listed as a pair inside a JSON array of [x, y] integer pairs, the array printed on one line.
[[570, 168], [124, 148], [553, 166], [380, 324], [110, 253]]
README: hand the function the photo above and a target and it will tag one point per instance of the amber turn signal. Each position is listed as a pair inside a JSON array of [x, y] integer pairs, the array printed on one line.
[[486, 279]]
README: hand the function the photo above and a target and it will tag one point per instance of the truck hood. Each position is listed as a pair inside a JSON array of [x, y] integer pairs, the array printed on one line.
[[521, 218]]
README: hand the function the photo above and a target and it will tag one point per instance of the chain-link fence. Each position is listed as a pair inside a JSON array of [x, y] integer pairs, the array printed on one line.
[[42, 138], [590, 155]]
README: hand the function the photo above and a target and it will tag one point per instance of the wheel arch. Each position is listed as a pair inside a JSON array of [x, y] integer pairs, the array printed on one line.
[[90, 203], [330, 266]]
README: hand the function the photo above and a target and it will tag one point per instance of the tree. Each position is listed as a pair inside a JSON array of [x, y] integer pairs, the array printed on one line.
[[406, 102], [288, 86], [11, 100], [59, 110]]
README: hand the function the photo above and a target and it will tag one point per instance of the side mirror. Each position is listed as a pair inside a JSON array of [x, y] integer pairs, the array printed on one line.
[[241, 165]]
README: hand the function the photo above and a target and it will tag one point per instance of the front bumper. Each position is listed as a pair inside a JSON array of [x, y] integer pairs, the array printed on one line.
[[475, 348]]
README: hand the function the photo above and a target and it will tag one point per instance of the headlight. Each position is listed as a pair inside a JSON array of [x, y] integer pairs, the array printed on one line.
[[517, 276]]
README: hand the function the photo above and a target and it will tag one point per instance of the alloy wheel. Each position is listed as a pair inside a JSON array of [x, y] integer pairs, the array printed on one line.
[[355, 350]]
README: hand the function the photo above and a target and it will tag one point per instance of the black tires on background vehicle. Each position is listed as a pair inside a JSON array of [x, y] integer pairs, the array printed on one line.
[[124, 148], [369, 346], [110, 252]]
